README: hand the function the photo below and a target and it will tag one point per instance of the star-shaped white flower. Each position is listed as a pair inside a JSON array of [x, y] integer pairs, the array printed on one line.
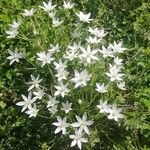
[[82, 123], [117, 47], [14, 56], [61, 125], [88, 54], [121, 85], [48, 7], [106, 52], [52, 101], [62, 75], [81, 78], [66, 107], [103, 107], [101, 88], [56, 22], [68, 5], [35, 82], [27, 103], [114, 73], [115, 113], [60, 65], [84, 17], [32, 112], [45, 58], [78, 139], [61, 90], [99, 33], [39, 93], [28, 12]]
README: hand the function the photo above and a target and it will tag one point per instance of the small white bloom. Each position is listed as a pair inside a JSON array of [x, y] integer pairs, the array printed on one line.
[[118, 61], [93, 40], [114, 113], [32, 112], [78, 139], [52, 101], [106, 52], [114, 73], [45, 58], [15, 25], [61, 90], [62, 75], [101, 88], [68, 5], [14, 56], [84, 17], [12, 33], [117, 47], [82, 123], [28, 12], [39, 93], [27, 103], [52, 14], [35, 82], [60, 66], [56, 22], [121, 85], [61, 125], [80, 78], [66, 107], [48, 7], [103, 107], [99, 33], [54, 48], [88, 54], [53, 109]]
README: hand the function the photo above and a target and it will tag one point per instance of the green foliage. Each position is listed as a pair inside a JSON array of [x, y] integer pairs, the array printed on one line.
[[127, 20]]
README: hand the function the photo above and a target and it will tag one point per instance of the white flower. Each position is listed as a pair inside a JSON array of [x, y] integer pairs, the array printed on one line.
[[93, 40], [39, 93], [56, 22], [80, 78], [28, 12], [35, 82], [45, 58], [118, 61], [99, 33], [12, 33], [103, 106], [61, 125], [14, 56], [62, 75], [117, 47], [121, 85], [60, 66], [88, 54], [82, 123], [61, 90], [114, 113], [32, 112], [66, 107], [53, 109], [114, 73], [101, 88], [52, 14], [27, 102], [68, 5], [54, 48], [15, 25], [71, 55], [84, 17], [52, 101], [48, 7], [106, 52], [78, 139]]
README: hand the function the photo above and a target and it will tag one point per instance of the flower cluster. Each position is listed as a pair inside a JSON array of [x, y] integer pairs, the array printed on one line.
[[70, 68]]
